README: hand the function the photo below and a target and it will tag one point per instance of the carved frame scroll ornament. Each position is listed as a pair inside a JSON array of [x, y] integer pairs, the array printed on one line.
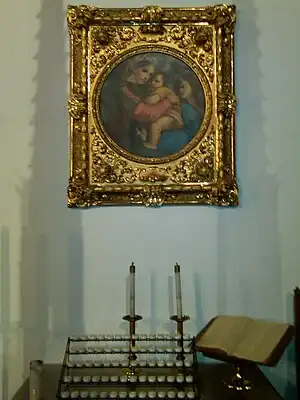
[[102, 173]]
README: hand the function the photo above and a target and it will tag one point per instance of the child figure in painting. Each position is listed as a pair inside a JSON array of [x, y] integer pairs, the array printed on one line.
[[170, 117]]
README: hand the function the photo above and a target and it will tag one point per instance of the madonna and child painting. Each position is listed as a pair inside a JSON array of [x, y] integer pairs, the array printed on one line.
[[151, 105]]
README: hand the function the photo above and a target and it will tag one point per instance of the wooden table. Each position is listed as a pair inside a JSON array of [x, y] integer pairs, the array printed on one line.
[[212, 376]]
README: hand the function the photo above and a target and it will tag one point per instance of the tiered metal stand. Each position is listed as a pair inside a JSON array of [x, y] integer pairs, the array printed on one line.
[[137, 366]]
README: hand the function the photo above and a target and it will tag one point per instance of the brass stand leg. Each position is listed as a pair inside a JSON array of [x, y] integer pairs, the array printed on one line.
[[130, 371], [238, 382]]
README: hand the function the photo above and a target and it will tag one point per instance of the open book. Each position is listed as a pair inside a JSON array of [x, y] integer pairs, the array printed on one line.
[[235, 337]]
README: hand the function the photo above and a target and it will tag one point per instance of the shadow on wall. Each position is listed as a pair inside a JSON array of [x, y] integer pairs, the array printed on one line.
[[250, 232], [51, 257]]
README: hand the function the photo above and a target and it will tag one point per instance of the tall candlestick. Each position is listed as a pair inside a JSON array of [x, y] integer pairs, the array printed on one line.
[[178, 290], [132, 290]]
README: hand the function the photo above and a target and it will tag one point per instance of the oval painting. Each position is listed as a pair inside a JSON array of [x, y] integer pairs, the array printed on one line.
[[151, 105]]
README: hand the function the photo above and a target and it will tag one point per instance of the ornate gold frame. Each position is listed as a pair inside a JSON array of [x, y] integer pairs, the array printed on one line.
[[204, 172]]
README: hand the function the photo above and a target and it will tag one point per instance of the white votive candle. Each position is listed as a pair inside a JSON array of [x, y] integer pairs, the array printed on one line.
[[171, 379], [189, 378], [103, 395], [74, 395], [142, 378], [151, 394], [84, 395], [65, 395], [181, 395], [123, 395], [171, 394], [191, 395]]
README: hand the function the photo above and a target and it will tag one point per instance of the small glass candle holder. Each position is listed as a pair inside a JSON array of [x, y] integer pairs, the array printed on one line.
[[151, 394], [171, 379], [132, 395], [151, 379], [142, 395], [133, 379], [105, 379], [113, 395], [179, 378], [160, 363], [161, 378], [97, 364], [122, 395], [71, 364], [74, 395], [190, 395], [189, 378], [89, 364], [171, 394], [64, 395], [170, 363], [96, 379], [179, 363], [103, 395], [84, 395], [76, 379], [142, 364], [161, 395], [93, 394], [123, 379], [181, 395], [188, 364], [142, 378], [67, 379], [86, 379], [114, 379]]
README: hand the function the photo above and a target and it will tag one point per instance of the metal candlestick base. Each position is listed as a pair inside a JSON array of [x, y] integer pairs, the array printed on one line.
[[238, 383], [132, 356], [180, 321]]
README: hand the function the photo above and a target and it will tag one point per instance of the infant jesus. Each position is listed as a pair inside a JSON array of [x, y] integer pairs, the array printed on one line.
[[165, 118]]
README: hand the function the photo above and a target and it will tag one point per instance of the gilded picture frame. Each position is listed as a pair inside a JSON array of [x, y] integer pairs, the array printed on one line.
[[152, 106]]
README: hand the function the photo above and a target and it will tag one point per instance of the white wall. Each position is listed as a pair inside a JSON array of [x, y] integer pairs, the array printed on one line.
[[63, 271]]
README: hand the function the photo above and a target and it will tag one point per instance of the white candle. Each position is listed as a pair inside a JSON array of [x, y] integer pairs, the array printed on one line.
[[178, 291], [132, 290], [35, 380]]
